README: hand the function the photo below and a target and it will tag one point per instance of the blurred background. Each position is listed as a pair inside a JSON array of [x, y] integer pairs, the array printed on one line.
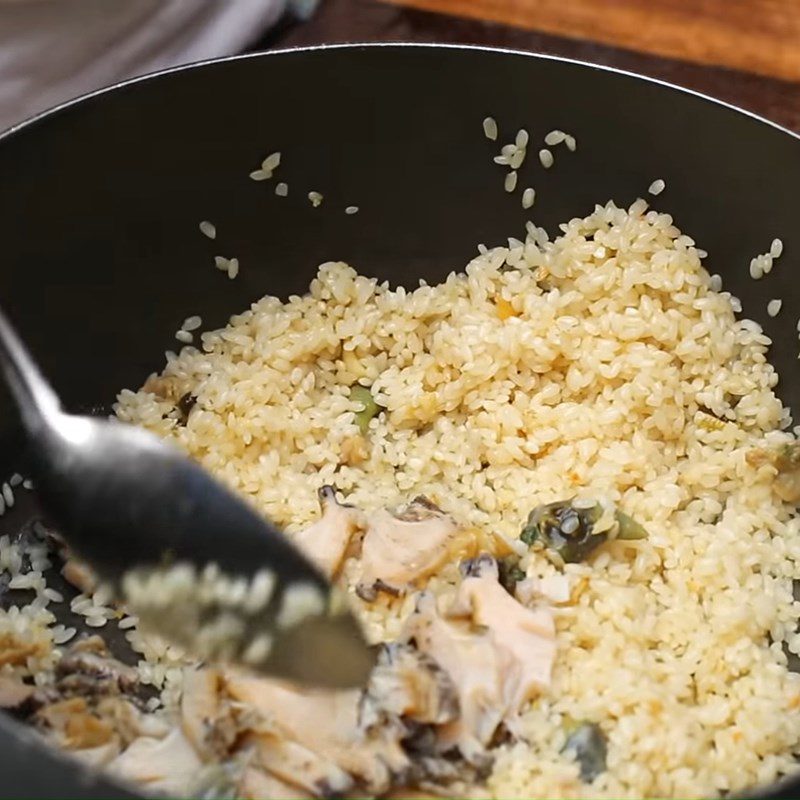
[[744, 51]]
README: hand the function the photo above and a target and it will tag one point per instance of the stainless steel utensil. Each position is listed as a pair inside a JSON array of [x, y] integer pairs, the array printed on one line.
[[197, 564]]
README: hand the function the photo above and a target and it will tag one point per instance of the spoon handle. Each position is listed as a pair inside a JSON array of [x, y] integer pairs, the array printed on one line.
[[35, 399]]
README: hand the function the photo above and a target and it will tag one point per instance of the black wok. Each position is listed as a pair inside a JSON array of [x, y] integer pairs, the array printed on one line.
[[100, 202]]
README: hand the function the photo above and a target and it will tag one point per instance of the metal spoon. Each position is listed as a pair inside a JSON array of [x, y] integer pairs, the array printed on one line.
[[196, 563]]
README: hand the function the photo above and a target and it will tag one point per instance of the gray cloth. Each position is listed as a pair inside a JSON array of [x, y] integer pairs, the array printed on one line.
[[54, 50]]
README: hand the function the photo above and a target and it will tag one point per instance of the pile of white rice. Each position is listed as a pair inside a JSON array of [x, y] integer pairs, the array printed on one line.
[[600, 363]]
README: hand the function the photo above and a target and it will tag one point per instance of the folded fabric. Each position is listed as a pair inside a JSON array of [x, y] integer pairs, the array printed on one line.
[[54, 50]]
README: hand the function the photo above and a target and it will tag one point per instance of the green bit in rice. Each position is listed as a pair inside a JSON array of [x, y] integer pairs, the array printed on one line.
[[510, 572], [368, 407], [572, 531]]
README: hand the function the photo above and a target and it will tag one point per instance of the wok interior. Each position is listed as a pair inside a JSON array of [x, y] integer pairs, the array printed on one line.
[[101, 201]]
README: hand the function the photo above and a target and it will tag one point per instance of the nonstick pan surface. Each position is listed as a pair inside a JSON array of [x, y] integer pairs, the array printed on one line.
[[100, 202]]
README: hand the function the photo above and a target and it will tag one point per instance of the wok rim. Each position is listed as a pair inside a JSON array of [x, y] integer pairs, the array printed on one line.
[[423, 46]]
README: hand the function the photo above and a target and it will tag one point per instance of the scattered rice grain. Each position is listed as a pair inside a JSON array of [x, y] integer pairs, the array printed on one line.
[[271, 163], [62, 635], [208, 229], [518, 159], [191, 323], [528, 197]]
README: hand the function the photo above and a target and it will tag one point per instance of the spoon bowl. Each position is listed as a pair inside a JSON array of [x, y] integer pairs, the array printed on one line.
[[195, 562]]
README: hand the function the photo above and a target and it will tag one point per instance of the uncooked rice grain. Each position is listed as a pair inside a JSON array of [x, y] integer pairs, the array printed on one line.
[[184, 336], [208, 229], [271, 163], [546, 158], [510, 182], [774, 307], [351, 210], [528, 197], [316, 199], [53, 595], [554, 138], [518, 159], [490, 129], [657, 186], [61, 634], [191, 323], [282, 189]]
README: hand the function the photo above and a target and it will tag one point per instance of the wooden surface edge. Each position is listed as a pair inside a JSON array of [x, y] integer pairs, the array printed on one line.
[[761, 36]]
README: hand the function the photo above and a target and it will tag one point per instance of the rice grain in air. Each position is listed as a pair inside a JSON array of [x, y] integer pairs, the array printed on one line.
[[528, 197], [271, 163], [208, 229], [554, 138]]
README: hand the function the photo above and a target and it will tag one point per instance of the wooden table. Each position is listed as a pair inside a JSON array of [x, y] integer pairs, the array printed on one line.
[[373, 21]]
